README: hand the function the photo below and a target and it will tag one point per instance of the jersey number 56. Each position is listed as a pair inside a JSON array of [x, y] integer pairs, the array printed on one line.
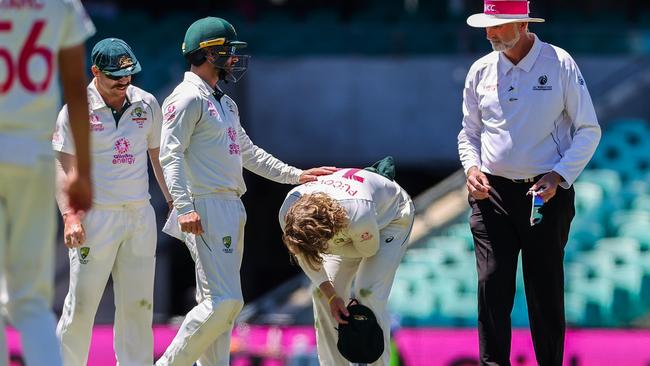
[[20, 66]]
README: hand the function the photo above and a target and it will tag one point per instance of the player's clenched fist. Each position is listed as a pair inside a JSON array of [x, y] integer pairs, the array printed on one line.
[[191, 223], [74, 233]]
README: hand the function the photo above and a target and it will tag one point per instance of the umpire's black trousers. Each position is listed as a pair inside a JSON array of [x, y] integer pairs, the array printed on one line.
[[501, 228]]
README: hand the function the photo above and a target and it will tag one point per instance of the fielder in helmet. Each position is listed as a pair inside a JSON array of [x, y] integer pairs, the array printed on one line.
[[214, 40], [203, 151]]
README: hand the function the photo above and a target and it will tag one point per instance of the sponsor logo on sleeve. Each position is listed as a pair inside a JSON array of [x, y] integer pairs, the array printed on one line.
[[170, 113]]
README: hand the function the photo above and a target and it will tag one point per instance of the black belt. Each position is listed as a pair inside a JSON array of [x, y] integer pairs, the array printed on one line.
[[521, 180]]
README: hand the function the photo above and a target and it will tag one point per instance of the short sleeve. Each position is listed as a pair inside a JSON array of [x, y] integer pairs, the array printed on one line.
[[62, 140], [153, 139], [78, 26]]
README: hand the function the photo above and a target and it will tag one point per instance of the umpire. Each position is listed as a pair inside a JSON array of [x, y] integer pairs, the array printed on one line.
[[529, 126]]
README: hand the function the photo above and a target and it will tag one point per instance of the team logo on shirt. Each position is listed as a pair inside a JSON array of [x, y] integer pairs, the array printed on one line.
[[95, 124], [233, 148], [122, 146], [542, 81], [139, 116], [170, 113], [227, 242], [83, 254]]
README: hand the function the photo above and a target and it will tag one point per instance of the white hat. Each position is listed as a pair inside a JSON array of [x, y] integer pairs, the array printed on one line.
[[497, 12]]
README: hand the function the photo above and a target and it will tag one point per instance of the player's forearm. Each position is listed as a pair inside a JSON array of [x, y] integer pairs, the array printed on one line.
[[327, 288], [62, 167], [74, 81], [158, 173], [260, 162], [174, 173], [317, 277]]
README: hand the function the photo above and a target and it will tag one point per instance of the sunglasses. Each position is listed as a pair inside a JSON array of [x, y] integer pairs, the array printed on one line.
[[536, 205], [113, 77]]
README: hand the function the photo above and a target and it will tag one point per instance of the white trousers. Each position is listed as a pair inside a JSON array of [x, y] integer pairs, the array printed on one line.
[[204, 335], [373, 278], [120, 241], [27, 231]]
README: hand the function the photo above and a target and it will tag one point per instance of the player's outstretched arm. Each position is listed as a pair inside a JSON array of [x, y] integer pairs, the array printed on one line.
[[73, 79], [311, 174]]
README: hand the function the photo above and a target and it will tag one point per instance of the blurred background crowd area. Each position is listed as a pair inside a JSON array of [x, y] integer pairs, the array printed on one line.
[[348, 82], [382, 27]]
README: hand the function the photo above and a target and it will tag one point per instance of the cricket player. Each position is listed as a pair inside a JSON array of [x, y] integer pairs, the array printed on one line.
[[118, 236], [351, 225], [203, 151], [40, 43]]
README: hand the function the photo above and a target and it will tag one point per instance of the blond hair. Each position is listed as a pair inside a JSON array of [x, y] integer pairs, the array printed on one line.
[[310, 223]]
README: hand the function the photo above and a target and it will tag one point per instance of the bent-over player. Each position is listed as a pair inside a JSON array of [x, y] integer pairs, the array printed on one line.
[[351, 225]]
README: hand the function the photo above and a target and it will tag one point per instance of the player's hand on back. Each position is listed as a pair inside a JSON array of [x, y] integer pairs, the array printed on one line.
[[79, 191], [310, 175], [191, 223], [74, 234]]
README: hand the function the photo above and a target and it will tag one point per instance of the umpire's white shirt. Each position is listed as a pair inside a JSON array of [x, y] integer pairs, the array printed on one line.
[[204, 147], [118, 150], [526, 119], [371, 201]]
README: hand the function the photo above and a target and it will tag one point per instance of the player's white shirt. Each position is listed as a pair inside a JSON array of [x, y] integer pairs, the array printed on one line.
[[31, 35], [119, 151], [204, 147], [371, 202]]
